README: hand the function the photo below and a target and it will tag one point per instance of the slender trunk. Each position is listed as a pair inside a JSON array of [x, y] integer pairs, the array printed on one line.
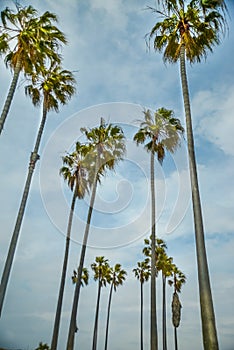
[[210, 340], [63, 277], [95, 331], [73, 326], [175, 338], [153, 323], [11, 252], [108, 315], [10, 95], [164, 320], [142, 342]]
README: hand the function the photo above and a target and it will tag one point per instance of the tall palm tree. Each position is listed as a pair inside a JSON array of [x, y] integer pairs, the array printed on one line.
[[53, 86], [107, 143], [75, 173], [142, 273], [159, 133], [101, 270], [187, 32], [28, 40], [179, 279], [165, 265], [116, 278]]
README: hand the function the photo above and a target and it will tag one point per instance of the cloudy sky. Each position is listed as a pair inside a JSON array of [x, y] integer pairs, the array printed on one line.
[[117, 78]]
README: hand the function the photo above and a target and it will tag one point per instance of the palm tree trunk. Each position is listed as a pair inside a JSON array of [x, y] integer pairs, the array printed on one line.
[[73, 326], [108, 315], [175, 338], [164, 321], [10, 95], [142, 341], [153, 323], [11, 252], [210, 340], [95, 331], [63, 277]]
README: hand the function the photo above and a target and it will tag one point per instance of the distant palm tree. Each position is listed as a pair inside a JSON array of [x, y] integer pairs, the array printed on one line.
[[116, 278], [75, 173], [101, 270], [179, 279], [43, 346], [107, 143], [53, 86], [159, 133], [142, 273], [165, 265], [189, 31], [27, 40], [160, 251], [84, 277]]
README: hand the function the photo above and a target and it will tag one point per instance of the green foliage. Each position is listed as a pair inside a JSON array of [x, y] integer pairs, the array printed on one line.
[[101, 270], [84, 277], [197, 26], [142, 271], [53, 85], [29, 38], [159, 132], [43, 346], [76, 170]]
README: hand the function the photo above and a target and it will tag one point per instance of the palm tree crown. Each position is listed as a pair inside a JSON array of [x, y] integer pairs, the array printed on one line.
[[161, 131], [142, 271], [29, 38], [186, 26], [107, 145], [54, 85], [75, 171]]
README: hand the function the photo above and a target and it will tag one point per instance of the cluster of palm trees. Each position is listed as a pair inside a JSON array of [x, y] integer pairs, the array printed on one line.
[[168, 269], [31, 44]]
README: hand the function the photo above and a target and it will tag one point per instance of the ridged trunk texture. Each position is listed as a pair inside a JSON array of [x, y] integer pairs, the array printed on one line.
[[210, 340], [153, 314], [73, 326], [55, 335], [11, 252], [108, 315], [10, 95]]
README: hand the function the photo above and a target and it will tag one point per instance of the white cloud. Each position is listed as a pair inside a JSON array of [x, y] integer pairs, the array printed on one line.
[[215, 109]]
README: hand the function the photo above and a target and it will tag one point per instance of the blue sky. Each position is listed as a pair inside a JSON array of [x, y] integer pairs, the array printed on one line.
[[117, 78]]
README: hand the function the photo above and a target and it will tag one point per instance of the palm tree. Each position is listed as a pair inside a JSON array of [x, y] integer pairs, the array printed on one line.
[[43, 346], [84, 277], [53, 86], [165, 265], [116, 278], [159, 254], [74, 172], [178, 280], [162, 132], [101, 270], [107, 148], [142, 273], [187, 32], [27, 40]]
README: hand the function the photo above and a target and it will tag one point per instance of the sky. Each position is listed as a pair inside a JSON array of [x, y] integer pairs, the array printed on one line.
[[117, 78]]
